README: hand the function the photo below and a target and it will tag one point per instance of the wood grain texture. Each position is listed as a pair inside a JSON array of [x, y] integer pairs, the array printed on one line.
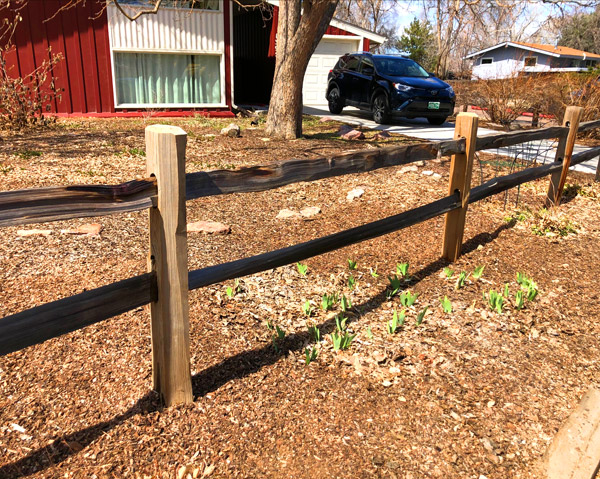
[[461, 168], [41, 323], [585, 155], [589, 125], [503, 183], [65, 202], [261, 178], [501, 140], [558, 179], [574, 452], [165, 153], [262, 262]]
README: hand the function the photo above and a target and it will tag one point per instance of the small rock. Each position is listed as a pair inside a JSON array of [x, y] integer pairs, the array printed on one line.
[[208, 227], [386, 384], [491, 403], [353, 135], [427, 173], [34, 232], [265, 139], [344, 129], [355, 193], [92, 229], [286, 214], [232, 131], [420, 163], [382, 135], [436, 176], [209, 135], [326, 118], [406, 169], [310, 211]]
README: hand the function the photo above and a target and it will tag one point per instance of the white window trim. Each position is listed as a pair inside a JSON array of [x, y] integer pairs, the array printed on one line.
[[221, 104], [487, 58], [531, 66]]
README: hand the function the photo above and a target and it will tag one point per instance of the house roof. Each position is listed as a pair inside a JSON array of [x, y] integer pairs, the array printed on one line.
[[349, 27], [550, 50]]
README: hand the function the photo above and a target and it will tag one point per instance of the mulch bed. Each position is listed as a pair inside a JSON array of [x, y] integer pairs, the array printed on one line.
[[467, 394]]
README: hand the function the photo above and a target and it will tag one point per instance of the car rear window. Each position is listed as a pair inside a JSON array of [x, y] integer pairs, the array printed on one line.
[[353, 64], [400, 67]]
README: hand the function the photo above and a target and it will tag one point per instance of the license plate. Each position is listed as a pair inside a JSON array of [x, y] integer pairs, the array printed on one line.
[[434, 105]]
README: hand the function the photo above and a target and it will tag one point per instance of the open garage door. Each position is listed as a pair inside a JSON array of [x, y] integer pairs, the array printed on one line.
[[324, 59]]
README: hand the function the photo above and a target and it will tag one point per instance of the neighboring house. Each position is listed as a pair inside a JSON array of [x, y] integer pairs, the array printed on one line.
[[183, 60], [513, 58]]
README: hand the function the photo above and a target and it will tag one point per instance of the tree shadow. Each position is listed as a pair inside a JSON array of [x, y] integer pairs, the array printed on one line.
[[238, 366]]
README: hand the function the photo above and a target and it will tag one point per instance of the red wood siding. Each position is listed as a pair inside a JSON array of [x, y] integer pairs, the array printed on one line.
[[338, 31], [80, 35]]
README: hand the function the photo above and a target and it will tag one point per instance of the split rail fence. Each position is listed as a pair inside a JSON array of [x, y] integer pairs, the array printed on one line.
[[167, 188]]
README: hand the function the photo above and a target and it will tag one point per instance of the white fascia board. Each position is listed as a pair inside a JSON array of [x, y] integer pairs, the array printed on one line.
[[348, 27], [516, 45]]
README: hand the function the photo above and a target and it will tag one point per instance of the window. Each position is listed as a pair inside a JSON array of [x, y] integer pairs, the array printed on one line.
[[353, 64], [530, 61], [167, 79], [195, 4], [487, 61], [366, 67]]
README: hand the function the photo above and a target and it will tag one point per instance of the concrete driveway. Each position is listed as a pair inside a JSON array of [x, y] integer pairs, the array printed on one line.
[[420, 128]]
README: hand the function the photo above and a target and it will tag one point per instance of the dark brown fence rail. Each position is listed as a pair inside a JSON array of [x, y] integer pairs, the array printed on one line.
[[169, 322]]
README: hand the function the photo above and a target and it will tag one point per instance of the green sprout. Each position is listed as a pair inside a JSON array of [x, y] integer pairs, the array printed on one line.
[[446, 305], [307, 308], [395, 286], [396, 322], [519, 299], [311, 355], [345, 303], [315, 333], [342, 341], [374, 272], [478, 272], [448, 272], [351, 282], [351, 264], [495, 301], [302, 268], [328, 301], [369, 332], [340, 322], [402, 269], [407, 299], [421, 316], [462, 277]]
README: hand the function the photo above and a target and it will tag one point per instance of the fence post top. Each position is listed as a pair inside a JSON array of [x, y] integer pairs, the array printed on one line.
[[465, 114], [174, 130]]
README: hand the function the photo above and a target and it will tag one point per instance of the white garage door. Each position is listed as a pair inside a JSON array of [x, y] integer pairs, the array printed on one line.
[[324, 59]]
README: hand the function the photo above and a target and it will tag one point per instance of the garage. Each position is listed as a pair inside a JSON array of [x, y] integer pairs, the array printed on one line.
[[323, 60]]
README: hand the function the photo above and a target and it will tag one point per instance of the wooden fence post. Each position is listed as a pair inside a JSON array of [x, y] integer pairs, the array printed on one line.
[[564, 151], [597, 178], [460, 179], [165, 150]]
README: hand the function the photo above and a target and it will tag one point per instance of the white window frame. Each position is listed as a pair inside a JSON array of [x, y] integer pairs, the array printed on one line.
[[487, 58], [221, 56], [530, 66]]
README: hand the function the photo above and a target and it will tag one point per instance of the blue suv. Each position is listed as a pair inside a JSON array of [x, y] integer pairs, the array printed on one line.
[[388, 85]]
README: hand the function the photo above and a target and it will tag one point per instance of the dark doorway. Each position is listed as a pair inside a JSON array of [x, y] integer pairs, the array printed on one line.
[[253, 60]]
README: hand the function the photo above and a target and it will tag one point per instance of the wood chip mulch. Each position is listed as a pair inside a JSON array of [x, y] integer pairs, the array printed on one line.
[[467, 394]]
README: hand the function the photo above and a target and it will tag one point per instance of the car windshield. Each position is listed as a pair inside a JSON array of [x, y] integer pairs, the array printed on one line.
[[399, 67]]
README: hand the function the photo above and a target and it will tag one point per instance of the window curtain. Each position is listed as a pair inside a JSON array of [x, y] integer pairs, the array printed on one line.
[[150, 79]]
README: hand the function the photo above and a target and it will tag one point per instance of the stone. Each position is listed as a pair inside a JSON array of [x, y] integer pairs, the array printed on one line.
[[232, 131], [208, 227], [427, 173], [310, 211], [91, 229], [326, 118], [34, 232], [355, 193], [382, 135], [420, 163], [406, 169], [353, 135], [436, 176], [344, 129], [285, 214]]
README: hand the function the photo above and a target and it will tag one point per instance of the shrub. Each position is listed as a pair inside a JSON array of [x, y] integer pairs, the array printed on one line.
[[24, 100]]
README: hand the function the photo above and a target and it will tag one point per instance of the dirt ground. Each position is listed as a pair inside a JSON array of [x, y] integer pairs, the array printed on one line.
[[473, 393]]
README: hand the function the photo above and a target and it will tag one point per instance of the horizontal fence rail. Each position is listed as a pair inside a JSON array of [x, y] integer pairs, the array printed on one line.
[[262, 178], [39, 205], [589, 125], [502, 140], [49, 320], [291, 254]]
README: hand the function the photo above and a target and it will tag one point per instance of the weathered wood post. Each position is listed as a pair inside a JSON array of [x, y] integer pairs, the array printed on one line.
[[165, 150], [564, 151], [597, 178], [461, 168]]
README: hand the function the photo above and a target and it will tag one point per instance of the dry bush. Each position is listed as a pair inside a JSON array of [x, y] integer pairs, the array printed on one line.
[[24, 100]]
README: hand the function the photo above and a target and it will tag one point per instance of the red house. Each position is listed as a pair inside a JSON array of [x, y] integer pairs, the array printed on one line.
[[207, 58]]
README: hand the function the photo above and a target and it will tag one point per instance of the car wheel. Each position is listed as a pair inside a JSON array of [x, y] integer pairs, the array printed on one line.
[[335, 101], [381, 109], [436, 121]]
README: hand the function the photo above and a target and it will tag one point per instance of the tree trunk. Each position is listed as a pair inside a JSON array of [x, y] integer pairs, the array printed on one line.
[[301, 26]]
